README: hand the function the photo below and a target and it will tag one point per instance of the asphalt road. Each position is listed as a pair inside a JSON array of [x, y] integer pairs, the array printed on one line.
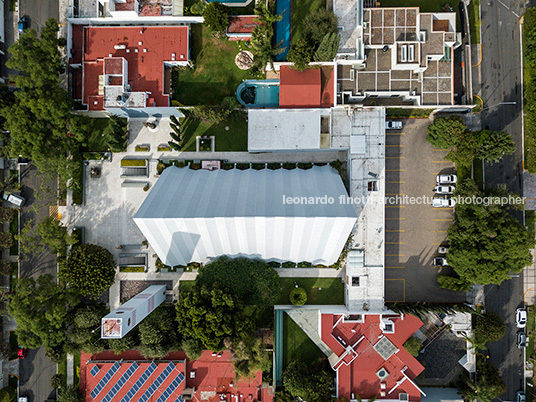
[[501, 82], [39, 11], [36, 370]]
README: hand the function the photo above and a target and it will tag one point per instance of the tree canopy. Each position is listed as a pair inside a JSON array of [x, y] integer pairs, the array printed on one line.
[[216, 16], [41, 309], [302, 381], [251, 281], [210, 315], [486, 242], [91, 269], [488, 328], [158, 333], [451, 132], [488, 385], [249, 355], [48, 233], [317, 24]]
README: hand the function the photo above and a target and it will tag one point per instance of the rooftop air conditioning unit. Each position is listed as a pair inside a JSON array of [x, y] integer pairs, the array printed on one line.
[[118, 47]]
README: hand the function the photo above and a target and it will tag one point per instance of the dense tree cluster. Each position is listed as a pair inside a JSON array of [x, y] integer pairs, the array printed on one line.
[[90, 269], [488, 384], [216, 16], [451, 132], [486, 243], [488, 328], [308, 383], [262, 37]]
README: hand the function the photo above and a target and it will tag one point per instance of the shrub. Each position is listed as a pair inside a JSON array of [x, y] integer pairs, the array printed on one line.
[[216, 16], [8, 394], [258, 166], [305, 264], [444, 132], [298, 296], [133, 162], [301, 54], [56, 381], [164, 148], [289, 264], [327, 50], [243, 166], [274, 166], [210, 114], [289, 166], [227, 166], [160, 167], [305, 166], [174, 120], [174, 146], [451, 283], [142, 148], [413, 345], [317, 24], [195, 166], [146, 187]]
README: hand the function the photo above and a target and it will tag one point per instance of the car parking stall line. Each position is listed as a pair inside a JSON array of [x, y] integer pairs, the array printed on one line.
[[440, 150], [395, 219], [395, 267], [395, 133], [395, 170], [395, 206], [436, 244], [440, 231], [396, 182], [442, 220], [394, 194], [400, 145], [395, 255], [395, 231], [395, 157], [397, 242], [441, 161]]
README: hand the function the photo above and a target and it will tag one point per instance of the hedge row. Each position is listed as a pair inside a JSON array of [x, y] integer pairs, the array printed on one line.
[[529, 73]]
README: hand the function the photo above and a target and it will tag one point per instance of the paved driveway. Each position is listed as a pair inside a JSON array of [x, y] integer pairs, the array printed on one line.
[[414, 231]]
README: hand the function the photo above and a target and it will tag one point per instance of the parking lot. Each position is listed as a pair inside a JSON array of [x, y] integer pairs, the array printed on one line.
[[414, 230]]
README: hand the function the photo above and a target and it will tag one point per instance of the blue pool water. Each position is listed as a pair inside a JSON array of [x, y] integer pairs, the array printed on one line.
[[258, 93], [282, 28]]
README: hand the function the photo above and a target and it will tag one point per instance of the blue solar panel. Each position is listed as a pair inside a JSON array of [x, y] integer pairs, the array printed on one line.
[[124, 378], [107, 377], [154, 386], [94, 371], [171, 388], [138, 384]]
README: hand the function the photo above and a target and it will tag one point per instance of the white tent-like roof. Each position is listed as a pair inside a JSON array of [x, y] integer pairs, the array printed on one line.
[[195, 215]]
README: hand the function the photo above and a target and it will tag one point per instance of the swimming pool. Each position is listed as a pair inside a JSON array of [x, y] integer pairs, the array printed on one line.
[[282, 28], [258, 93]]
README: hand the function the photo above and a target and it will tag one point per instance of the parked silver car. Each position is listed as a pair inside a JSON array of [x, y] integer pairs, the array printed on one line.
[[446, 179], [438, 202], [444, 189], [393, 125]]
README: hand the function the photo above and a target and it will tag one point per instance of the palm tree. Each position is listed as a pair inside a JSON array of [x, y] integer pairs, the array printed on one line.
[[261, 45], [265, 15]]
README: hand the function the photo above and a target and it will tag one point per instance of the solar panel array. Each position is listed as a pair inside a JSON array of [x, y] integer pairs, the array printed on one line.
[[138, 384], [171, 388], [94, 371], [119, 384], [107, 377], [179, 399], [159, 380]]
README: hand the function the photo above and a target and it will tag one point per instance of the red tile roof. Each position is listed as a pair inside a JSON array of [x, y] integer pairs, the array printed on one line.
[[310, 88], [242, 24], [357, 361], [147, 48], [213, 377]]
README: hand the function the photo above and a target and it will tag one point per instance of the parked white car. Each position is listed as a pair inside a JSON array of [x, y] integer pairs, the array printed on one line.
[[444, 189], [521, 318], [446, 179], [438, 202], [393, 125]]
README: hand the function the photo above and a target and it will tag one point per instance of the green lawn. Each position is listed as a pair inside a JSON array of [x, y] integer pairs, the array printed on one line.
[[474, 21], [300, 9], [332, 290], [297, 345], [96, 141], [234, 139], [215, 75]]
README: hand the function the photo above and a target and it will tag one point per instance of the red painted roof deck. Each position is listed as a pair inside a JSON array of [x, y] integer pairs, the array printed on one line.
[[311, 88], [146, 50], [242, 24], [358, 361], [212, 376]]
